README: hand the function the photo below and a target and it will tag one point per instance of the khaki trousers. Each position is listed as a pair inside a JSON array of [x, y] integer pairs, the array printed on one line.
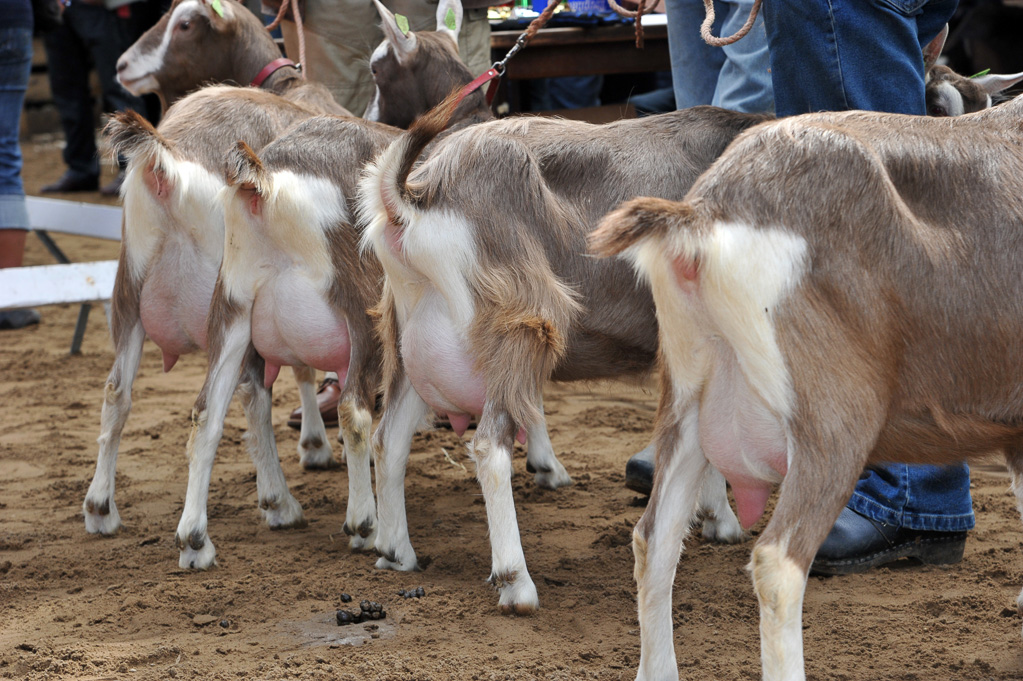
[[340, 36]]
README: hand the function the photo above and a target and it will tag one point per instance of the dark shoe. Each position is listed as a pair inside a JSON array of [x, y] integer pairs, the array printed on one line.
[[327, 397], [639, 475], [857, 543], [72, 182], [18, 319], [114, 187]]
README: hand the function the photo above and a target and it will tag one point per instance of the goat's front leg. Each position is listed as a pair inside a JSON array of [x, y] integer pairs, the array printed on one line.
[[280, 509], [1014, 460], [314, 451], [491, 449], [679, 477], [404, 411], [541, 459], [99, 509]]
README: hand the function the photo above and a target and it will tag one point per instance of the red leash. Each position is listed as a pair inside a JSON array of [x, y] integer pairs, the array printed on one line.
[[494, 73]]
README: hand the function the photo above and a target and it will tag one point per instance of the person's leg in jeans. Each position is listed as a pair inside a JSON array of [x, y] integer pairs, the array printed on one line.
[[833, 55], [15, 65], [68, 60], [737, 76]]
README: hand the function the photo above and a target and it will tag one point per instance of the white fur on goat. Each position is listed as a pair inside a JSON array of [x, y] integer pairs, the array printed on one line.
[[171, 248]]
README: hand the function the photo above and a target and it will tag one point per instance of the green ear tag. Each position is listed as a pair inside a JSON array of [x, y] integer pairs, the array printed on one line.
[[450, 21], [218, 8], [982, 73], [402, 22]]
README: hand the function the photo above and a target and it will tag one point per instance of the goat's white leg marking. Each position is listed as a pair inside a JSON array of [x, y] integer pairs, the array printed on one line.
[[361, 516], [393, 439], [99, 509], [657, 543], [779, 584], [541, 459], [719, 521], [491, 450], [197, 550], [280, 509], [314, 449], [1015, 463]]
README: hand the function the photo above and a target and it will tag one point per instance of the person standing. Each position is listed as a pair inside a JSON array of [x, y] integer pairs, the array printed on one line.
[[15, 65], [94, 34]]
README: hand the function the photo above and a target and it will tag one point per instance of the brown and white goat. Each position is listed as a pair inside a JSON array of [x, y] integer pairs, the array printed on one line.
[[294, 289], [490, 292], [193, 45], [837, 290], [171, 247]]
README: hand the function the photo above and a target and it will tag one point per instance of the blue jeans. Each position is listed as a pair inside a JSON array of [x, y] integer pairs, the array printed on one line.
[[834, 55], [15, 64], [930, 498], [737, 76]]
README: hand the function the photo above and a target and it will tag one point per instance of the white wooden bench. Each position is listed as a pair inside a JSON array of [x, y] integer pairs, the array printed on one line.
[[67, 282]]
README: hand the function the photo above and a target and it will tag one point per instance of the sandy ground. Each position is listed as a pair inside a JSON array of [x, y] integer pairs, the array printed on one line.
[[77, 606]]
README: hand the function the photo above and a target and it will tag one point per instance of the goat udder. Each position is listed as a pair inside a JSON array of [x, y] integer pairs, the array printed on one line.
[[270, 373]]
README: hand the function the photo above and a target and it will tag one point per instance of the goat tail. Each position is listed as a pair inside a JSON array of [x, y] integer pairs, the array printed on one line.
[[245, 168], [636, 221], [384, 188], [130, 135]]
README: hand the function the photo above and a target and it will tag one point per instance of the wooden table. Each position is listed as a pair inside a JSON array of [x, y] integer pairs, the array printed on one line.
[[583, 51]]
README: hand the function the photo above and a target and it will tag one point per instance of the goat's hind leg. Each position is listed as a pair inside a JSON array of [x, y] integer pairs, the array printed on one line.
[[822, 473], [659, 535], [99, 509], [541, 459], [1014, 461], [404, 411], [491, 448], [314, 451], [280, 509]]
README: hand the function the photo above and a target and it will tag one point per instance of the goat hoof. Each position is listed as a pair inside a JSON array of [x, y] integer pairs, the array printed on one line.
[[518, 596], [282, 513], [197, 559], [394, 563], [360, 544], [723, 532], [316, 455], [101, 517]]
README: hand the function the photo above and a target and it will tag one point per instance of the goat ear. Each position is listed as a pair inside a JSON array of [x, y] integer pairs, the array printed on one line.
[[994, 83], [933, 49], [404, 43], [219, 11], [449, 18]]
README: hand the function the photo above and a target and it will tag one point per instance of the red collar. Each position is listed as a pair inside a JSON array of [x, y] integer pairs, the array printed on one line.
[[269, 69]]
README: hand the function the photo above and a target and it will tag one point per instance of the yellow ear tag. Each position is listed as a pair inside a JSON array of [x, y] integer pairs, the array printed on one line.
[[449, 20], [402, 22], [218, 8]]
